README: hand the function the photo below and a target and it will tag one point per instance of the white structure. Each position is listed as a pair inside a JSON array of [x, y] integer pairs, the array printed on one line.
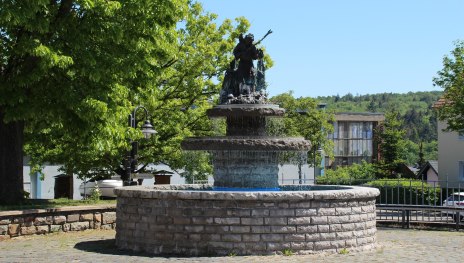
[[450, 156]]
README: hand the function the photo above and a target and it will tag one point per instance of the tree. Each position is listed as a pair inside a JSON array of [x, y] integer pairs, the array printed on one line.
[[451, 79], [72, 71], [389, 138], [303, 118]]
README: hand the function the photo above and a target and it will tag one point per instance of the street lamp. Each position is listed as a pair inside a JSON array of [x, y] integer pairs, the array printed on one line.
[[130, 162]]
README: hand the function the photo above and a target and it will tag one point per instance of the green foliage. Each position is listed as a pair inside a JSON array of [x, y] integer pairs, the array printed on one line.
[[74, 70], [355, 174], [196, 166], [389, 138], [451, 79], [410, 151], [406, 191], [303, 118], [287, 252], [95, 194], [344, 251]]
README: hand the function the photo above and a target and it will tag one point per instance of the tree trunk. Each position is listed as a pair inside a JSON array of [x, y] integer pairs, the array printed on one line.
[[11, 161]]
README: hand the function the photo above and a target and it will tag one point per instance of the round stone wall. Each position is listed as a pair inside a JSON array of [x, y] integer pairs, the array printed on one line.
[[192, 220]]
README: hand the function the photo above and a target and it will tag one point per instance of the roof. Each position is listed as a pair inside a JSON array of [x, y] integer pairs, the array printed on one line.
[[359, 116], [442, 102], [432, 164]]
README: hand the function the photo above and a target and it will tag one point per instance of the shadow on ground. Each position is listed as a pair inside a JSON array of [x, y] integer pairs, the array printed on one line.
[[107, 246]]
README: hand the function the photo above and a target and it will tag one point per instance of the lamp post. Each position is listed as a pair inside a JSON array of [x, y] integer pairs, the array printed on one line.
[[130, 162]]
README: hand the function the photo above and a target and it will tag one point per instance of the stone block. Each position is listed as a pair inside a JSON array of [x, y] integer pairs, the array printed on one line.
[[28, 230], [72, 218], [295, 237], [194, 229], [107, 227], [210, 237], [312, 237], [42, 230], [251, 238], [27, 221], [306, 229], [272, 237], [276, 246], [323, 228], [283, 205], [304, 204], [283, 229], [58, 220], [349, 226], [231, 237], [335, 228], [299, 220], [216, 229], [327, 236], [13, 229], [240, 229], [202, 220], [227, 220], [222, 245], [260, 212], [66, 227], [319, 220], [343, 211], [338, 219], [5, 221], [306, 212], [181, 220], [56, 228], [252, 221], [79, 226], [97, 217], [86, 217], [298, 246], [238, 212], [108, 217], [3, 229], [274, 221], [322, 245], [324, 211], [282, 212], [260, 229]]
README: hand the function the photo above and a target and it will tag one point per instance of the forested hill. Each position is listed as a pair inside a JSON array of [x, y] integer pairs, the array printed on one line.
[[415, 107]]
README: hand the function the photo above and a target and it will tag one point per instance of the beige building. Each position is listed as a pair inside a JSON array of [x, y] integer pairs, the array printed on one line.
[[353, 138], [450, 156]]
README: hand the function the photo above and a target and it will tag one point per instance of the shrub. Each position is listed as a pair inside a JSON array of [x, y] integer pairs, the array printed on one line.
[[406, 191], [354, 174]]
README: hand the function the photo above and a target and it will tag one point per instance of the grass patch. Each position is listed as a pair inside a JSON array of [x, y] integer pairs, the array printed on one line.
[[53, 203], [344, 251], [287, 252]]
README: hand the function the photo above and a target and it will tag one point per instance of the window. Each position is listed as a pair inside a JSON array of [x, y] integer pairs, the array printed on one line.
[[461, 135], [461, 170]]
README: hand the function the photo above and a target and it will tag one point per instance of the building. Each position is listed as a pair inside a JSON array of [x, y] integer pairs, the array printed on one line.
[[353, 138], [450, 153], [429, 172]]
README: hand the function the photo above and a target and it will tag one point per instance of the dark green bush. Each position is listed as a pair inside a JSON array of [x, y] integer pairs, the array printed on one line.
[[406, 191]]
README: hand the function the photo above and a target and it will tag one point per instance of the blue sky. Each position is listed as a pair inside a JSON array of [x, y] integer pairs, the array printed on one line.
[[331, 47]]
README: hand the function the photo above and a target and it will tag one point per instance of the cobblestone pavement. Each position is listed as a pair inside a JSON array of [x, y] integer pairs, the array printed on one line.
[[394, 245]]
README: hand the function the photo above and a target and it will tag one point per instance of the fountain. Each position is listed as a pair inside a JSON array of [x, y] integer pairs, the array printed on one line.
[[246, 211]]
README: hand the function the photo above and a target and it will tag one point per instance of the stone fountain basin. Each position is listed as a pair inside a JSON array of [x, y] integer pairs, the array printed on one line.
[[193, 220], [246, 143]]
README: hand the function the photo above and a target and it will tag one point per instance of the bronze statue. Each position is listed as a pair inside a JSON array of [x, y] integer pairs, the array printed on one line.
[[243, 83]]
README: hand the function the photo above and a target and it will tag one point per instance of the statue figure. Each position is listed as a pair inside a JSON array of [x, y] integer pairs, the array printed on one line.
[[243, 83]]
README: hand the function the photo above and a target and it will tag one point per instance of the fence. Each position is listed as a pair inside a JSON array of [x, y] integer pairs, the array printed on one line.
[[406, 201]]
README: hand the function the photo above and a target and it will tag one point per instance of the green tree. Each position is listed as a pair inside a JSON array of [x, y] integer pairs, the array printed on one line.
[[72, 71], [389, 138], [303, 118], [451, 79]]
